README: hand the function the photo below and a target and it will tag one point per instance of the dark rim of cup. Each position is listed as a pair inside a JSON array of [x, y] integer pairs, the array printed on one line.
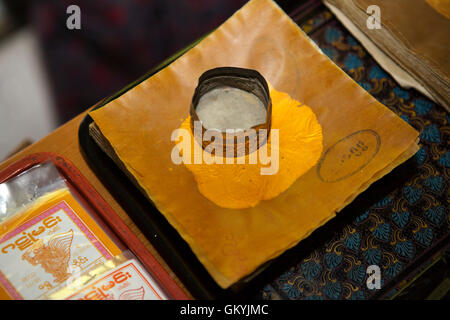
[[241, 142]]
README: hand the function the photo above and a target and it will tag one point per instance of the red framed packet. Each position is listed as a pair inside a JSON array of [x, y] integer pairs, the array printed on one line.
[[84, 239]]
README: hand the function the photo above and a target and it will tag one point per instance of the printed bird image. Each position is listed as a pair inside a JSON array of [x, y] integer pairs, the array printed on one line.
[[52, 256]]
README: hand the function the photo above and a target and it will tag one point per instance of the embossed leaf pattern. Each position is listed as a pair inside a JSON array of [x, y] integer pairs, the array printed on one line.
[[422, 106], [382, 203], [311, 269], [291, 290], [435, 215], [352, 241], [420, 156], [333, 260], [362, 217], [401, 218], [372, 256], [401, 93], [393, 269], [412, 194], [377, 73], [357, 274], [333, 35], [434, 183], [424, 236], [382, 232], [352, 62], [444, 160], [365, 85], [431, 134], [333, 290], [405, 249]]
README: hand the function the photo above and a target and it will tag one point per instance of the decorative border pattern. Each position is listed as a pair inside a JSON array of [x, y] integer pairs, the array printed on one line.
[[401, 222]]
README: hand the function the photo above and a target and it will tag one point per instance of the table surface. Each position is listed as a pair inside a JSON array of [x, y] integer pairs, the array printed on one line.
[[64, 141]]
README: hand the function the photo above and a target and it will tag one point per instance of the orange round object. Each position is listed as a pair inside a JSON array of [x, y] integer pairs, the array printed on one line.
[[244, 183]]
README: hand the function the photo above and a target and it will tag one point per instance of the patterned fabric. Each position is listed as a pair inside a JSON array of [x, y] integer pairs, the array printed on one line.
[[398, 223]]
